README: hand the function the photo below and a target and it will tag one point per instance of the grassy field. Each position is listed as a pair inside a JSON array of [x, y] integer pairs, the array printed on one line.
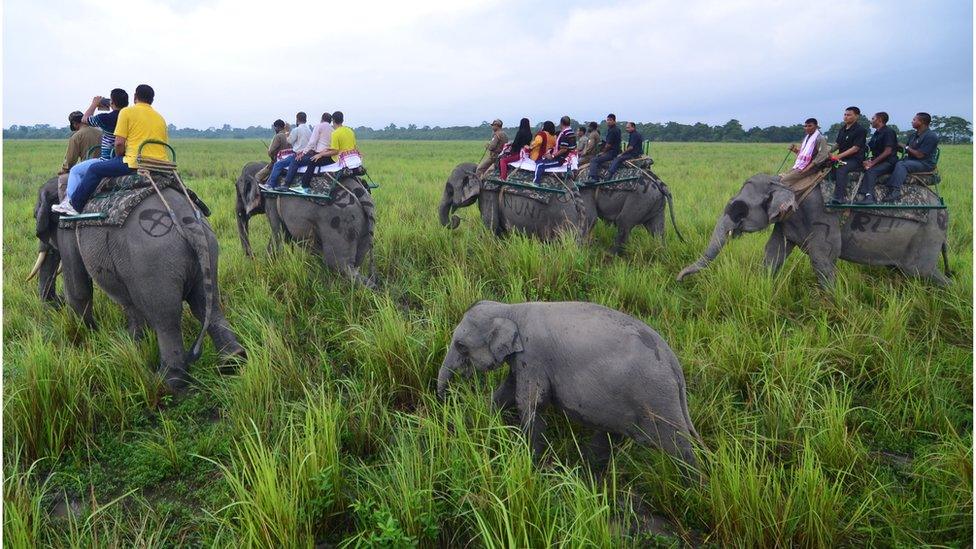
[[831, 418]]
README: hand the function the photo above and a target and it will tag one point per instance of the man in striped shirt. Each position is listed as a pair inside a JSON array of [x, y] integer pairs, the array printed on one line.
[[117, 100]]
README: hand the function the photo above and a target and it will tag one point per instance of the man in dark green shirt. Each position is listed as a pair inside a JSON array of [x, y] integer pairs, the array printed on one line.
[[919, 155]]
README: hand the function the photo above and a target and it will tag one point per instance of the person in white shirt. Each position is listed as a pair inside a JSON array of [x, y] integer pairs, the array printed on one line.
[[320, 140], [298, 139]]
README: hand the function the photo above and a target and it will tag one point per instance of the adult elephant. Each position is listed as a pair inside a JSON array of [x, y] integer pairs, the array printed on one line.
[[911, 243], [504, 209], [630, 204], [149, 265], [341, 230]]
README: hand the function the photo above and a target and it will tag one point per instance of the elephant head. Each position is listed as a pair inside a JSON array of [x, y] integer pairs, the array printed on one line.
[[46, 230], [483, 341], [461, 190], [761, 202]]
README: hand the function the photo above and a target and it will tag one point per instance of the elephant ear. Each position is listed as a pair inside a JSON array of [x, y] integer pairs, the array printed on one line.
[[45, 221], [470, 187], [780, 203], [504, 339]]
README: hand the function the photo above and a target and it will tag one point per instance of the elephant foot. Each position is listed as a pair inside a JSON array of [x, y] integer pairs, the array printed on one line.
[[175, 380], [455, 221], [231, 361], [56, 302]]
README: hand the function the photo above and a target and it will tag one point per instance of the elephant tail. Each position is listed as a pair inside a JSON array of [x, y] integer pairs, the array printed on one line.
[[945, 259], [670, 200]]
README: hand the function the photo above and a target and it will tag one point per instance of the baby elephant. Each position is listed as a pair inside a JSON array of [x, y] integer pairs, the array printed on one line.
[[603, 368]]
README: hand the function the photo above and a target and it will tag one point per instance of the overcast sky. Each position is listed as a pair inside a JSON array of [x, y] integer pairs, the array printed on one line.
[[449, 62]]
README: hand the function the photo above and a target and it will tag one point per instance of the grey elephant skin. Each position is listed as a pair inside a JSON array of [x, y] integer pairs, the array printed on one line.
[[643, 207], [859, 236], [341, 233], [503, 212], [147, 267], [601, 367]]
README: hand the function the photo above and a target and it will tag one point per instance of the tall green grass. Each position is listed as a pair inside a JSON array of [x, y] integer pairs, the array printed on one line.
[[830, 418]]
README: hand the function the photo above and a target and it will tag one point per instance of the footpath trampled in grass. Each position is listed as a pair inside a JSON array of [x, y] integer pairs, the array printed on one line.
[[831, 418]]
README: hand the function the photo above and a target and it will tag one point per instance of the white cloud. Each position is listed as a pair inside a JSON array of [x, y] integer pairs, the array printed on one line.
[[442, 63]]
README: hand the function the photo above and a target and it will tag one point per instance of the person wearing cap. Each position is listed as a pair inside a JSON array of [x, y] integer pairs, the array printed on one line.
[[84, 138], [493, 148], [277, 150]]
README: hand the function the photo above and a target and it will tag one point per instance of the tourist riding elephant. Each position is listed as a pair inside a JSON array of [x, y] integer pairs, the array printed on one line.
[[601, 367], [341, 231], [869, 237], [503, 211], [642, 203], [150, 266]]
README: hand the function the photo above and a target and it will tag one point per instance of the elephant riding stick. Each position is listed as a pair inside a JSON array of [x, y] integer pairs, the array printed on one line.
[[860, 236], [149, 266], [601, 367], [341, 232]]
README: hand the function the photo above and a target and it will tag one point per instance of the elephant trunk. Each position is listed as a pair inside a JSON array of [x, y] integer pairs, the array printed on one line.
[[243, 218], [720, 235], [446, 207], [450, 365]]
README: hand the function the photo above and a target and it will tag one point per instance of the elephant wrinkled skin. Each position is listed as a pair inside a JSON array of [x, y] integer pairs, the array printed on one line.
[[505, 212], [601, 367], [147, 267], [341, 232], [859, 236]]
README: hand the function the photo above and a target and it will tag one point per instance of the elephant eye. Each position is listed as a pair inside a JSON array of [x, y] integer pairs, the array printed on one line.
[[461, 347]]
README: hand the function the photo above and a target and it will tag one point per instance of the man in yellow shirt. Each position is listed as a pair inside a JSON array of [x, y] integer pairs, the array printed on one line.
[[137, 124], [343, 139]]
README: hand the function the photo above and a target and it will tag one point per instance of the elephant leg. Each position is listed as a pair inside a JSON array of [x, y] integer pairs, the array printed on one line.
[[77, 283], [620, 241], [598, 450], [136, 323], [172, 355], [662, 434], [219, 330], [531, 398], [277, 226], [656, 226], [504, 396], [778, 248]]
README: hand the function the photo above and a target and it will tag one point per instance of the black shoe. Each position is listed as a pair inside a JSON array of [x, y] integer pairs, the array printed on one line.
[[836, 201], [867, 200]]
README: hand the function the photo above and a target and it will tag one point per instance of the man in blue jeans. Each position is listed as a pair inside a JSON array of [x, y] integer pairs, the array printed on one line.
[[919, 155], [136, 124], [634, 144], [883, 145], [611, 147]]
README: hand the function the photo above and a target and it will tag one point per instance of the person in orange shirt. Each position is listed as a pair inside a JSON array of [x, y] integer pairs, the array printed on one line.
[[543, 140]]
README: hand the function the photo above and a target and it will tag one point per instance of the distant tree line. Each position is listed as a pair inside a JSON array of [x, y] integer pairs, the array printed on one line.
[[952, 129]]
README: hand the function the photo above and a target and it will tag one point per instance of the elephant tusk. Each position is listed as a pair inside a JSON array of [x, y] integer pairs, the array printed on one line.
[[37, 265]]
